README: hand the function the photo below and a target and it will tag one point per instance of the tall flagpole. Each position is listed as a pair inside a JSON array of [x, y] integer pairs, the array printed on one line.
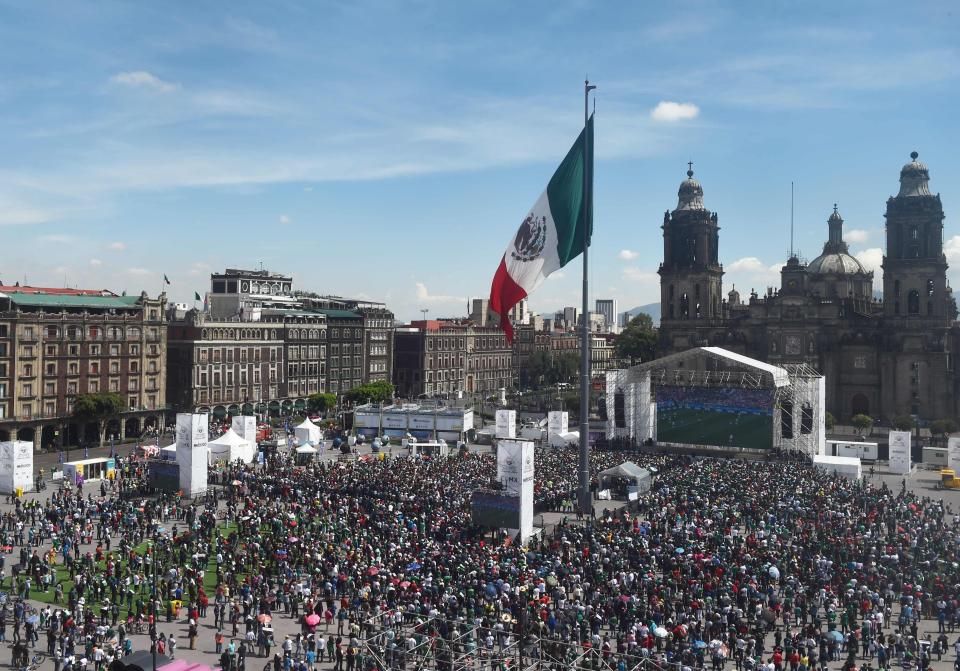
[[585, 500]]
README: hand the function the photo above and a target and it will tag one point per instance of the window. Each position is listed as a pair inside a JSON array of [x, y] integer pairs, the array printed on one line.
[[28, 389], [50, 350], [49, 388], [133, 384], [929, 288], [132, 401], [913, 302], [114, 367], [94, 367], [94, 350], [114, 350], [51, 332], [50, 369], [71, 388], [28, 370], [93, 386], [134, 366], [135, 350], [115, 385], [26, 411]]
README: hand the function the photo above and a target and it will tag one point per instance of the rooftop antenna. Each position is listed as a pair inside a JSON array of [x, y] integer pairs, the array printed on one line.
[[791, 219]]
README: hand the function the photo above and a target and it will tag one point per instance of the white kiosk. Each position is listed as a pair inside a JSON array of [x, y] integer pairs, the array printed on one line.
[[506, 424], [899, 458], [16, 467], [515, 473], [192, 435]]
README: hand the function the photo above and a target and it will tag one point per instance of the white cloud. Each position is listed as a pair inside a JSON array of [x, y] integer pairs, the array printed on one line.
[[640, 275], [425, 296], [138, 271], [117, 246], [56, 238], [669, 112], [143, 79], [746, 264], [627, 255], [284, 219], [871, 259], [951, 249], [856, 236], [96, 262], [558, 275]]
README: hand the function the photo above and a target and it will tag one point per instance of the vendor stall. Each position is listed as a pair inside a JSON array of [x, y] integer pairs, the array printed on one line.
[[626, 479], [230, 447], [307, 433]]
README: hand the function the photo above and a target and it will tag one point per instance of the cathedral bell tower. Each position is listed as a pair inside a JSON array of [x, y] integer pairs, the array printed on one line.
[[914, 267], [690, 275]]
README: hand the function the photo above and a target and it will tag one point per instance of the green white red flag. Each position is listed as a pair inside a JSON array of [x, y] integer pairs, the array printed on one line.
[[551, 235]]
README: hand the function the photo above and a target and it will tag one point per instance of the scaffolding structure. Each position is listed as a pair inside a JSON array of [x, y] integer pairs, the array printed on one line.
[[804, 398], [405, 642]]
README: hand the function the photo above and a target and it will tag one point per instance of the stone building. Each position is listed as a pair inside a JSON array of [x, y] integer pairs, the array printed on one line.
[[882, 358], [440, 358], [58, 343]]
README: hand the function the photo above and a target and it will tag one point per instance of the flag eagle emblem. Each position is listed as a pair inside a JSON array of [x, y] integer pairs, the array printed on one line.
[[530, 239]]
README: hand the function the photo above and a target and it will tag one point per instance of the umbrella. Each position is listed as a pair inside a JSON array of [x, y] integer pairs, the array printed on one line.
[[405, 584], [235, 483], [835, 635], [263, 618], [699, 645], [774, 572], [660, 632], [373, 570], [413, 566], [293, 539], [33, 619], [312, 620], [768, 615]]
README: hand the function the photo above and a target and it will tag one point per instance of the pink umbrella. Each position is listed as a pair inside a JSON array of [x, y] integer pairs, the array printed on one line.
[[373, 570], [312, 620]]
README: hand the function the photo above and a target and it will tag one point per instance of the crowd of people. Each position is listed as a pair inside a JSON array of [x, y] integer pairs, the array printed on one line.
[[723, 563]]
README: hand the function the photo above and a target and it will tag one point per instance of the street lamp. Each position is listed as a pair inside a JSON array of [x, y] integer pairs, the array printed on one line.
[[153, 569]]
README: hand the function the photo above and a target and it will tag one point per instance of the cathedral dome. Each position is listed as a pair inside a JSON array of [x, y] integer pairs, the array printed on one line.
[[914, 178], [690, 195], [836, 263]]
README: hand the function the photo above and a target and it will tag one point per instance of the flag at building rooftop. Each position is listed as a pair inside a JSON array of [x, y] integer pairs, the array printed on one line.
[[166, 279], [551, 235], [196, 296]]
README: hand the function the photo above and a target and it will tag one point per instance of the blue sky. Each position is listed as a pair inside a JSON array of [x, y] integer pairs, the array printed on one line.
[[389, 150]]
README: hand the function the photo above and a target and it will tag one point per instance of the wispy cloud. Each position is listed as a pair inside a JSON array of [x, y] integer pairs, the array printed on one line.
[[284, 219], [139, 271], [55, 239], [96, 263], [424, 296], [872, 259], [671, 111], [627, 255], [636, 274], [117, 246], [144, 80]]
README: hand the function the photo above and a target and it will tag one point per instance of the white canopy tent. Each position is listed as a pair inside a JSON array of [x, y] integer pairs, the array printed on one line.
[[308, 432], [641, 478], [230, 447], [564, 439]]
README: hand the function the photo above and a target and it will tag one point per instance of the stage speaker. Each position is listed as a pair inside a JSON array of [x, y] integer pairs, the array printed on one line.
[[619, 410]]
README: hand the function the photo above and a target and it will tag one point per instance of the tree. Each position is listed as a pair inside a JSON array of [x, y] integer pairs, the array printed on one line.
[[942, 427], [98, 407], [903, 423], [829, 421], [321, 402], [378, 391], [638, 340], [862, 423]]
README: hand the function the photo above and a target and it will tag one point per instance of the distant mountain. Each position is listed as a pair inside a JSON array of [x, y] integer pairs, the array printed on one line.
[[652, 309]]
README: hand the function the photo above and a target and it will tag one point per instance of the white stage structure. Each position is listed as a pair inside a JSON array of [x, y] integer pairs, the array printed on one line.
[[16, 466], [515, 473], [506, 424], [899, 458], [192, 434], [797, 391]]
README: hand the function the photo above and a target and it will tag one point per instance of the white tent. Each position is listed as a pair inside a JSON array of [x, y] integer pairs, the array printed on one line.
[[306, 449], [230, 447], [564, 439], [169, 452], [848, 467], [308, 432]]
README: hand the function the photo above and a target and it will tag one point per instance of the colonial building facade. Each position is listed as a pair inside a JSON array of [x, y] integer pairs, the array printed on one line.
[[881, 358], [58, 343]]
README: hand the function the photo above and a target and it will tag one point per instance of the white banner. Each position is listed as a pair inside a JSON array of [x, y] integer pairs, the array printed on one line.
[[900, 452], [506, 423]]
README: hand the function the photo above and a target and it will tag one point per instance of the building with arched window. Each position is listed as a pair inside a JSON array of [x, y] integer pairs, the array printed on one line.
[[880, 356]]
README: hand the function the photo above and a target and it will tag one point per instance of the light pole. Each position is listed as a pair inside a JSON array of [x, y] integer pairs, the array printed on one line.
[[153, 569], [424, 311]]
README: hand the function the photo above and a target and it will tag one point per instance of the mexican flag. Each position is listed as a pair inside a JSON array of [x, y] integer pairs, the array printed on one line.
[[551, 235]]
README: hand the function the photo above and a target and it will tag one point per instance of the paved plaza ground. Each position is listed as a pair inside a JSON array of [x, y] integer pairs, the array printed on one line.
[[921, 481]]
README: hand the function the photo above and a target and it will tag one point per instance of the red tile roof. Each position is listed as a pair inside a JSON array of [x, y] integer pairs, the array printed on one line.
[[55, 291]]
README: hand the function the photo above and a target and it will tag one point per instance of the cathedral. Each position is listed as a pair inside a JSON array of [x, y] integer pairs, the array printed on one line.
[[881, 358]]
